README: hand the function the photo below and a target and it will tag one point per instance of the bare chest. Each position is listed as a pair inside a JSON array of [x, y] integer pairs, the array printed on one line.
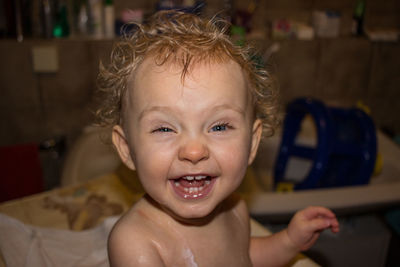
[[226, 246]]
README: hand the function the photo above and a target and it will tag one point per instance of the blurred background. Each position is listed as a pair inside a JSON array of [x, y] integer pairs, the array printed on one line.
[[344, 52]]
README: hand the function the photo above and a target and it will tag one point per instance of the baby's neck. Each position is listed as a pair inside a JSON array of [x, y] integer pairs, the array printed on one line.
[[201, 221]]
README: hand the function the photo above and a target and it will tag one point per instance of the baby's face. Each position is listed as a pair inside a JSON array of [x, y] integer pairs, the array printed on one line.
[[190, 142]]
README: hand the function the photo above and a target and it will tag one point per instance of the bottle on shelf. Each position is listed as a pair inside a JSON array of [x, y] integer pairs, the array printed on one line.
[[109, 19], [358, 18], [61, 25], [47, 14], [96, 18]]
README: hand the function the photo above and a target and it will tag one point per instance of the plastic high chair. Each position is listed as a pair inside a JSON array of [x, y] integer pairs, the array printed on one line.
[[345, 147]]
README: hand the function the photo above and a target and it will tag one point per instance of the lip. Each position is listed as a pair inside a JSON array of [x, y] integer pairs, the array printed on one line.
[[193, 190]]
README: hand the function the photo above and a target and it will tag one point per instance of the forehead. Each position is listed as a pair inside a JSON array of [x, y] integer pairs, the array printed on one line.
[[222, 71], [154, 81], [206, 84]]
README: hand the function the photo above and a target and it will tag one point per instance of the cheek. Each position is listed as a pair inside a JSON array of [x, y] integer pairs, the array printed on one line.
[[153, 161], [234, 154]]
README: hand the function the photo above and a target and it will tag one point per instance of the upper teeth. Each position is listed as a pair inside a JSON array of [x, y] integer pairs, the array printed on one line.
[[197, 177]]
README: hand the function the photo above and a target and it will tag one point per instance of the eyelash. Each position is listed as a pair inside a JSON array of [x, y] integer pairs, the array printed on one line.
[[224, 125], [162, 129]]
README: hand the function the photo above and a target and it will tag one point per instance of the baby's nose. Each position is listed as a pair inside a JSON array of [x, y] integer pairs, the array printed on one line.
[[193, 151]]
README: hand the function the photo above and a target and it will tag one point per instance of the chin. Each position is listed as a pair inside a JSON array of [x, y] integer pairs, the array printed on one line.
[[193, 213]]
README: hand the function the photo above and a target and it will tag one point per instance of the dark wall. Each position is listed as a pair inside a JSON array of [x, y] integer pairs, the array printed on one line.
[[343, 70]]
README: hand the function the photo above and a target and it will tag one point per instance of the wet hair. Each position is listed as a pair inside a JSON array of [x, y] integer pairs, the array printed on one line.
[[184, 40]]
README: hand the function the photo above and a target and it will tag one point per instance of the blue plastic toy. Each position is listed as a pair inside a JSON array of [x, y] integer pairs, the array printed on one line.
[[345, 150]]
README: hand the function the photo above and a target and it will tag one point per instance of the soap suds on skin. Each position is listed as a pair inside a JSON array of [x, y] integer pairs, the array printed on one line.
[[189, 258]]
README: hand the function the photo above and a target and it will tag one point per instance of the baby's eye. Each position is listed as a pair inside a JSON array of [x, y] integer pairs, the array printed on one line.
[[221, 127], [162, 130]]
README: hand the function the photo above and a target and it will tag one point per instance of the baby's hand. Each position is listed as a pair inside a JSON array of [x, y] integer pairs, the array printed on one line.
[[306, 226]]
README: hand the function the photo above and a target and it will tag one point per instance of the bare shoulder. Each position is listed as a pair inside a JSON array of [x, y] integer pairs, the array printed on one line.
[[130, 243]]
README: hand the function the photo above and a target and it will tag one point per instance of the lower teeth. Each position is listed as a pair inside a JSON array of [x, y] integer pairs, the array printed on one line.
[[193, 190]]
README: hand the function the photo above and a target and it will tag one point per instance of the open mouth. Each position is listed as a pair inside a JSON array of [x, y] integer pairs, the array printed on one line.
[[193, 186]]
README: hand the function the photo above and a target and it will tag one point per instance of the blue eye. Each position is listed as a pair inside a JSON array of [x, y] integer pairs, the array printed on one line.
[[220, 127], [162, 130]]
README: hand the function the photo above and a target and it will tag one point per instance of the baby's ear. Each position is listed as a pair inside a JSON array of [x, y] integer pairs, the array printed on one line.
[[255, 139], [120, 143]]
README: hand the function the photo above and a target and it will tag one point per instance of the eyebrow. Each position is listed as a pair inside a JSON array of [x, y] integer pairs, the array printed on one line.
[[165, 109], [146, 111], [231, 107]]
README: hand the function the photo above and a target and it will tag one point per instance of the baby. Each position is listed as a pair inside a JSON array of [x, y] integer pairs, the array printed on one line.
[[189, 109]]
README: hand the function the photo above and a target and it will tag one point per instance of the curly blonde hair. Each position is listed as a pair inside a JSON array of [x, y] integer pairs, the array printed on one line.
[[183, 39]]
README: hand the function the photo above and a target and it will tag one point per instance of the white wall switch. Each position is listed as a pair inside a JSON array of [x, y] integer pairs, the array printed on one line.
[[45, 59]]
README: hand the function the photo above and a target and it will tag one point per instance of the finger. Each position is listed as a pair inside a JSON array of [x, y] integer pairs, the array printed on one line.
[[335, 228], [316, 211], [319, 224], [322, 223]]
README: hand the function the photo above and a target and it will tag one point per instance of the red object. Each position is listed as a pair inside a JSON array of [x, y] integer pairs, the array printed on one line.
[[20, 171]]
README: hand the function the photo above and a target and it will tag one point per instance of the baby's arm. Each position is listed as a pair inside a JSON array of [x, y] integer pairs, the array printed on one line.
[[131, 248], [302, 232]]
